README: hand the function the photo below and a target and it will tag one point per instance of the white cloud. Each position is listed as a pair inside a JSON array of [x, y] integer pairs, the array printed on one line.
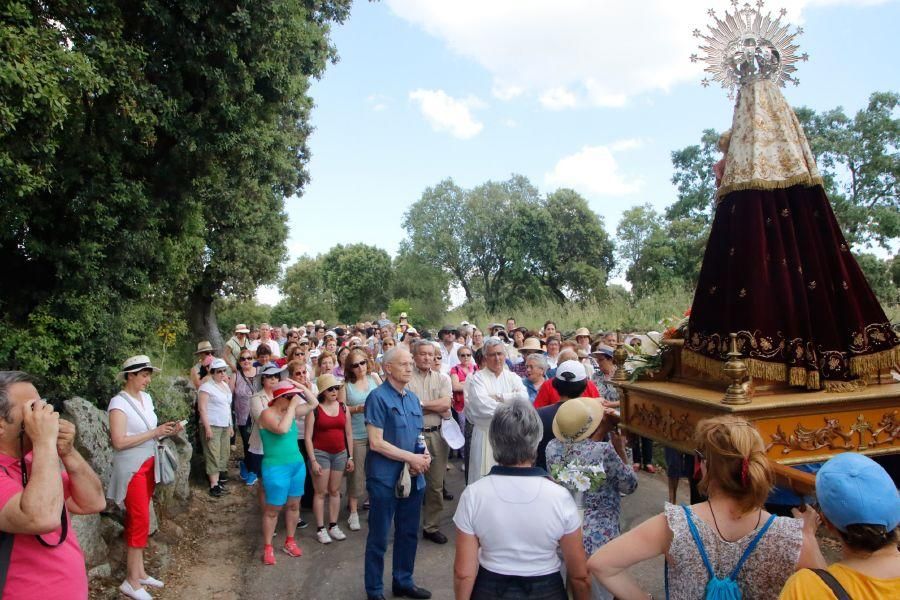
[[600, 53], [448, 114], [506, 92], [558, 98], [594, 171], [511, 123]]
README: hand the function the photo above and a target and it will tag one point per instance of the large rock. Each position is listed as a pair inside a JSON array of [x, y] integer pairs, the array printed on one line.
[[92, 435], [89, 529]]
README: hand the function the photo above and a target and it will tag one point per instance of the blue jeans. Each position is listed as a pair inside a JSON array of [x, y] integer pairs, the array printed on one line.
[[385, 508]]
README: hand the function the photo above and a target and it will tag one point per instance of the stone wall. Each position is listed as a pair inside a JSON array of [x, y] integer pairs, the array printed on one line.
[[100, 535]]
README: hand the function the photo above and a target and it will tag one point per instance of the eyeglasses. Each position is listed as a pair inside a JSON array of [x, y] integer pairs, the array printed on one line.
[[217, 371], [333, 388], [246, 358], [356, 365], [465, 355]]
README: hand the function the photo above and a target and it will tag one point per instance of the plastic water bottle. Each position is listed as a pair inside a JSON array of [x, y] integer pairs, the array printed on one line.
[[420, 444]]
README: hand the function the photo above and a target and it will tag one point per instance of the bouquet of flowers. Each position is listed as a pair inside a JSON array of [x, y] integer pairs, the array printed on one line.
[[578, 477]]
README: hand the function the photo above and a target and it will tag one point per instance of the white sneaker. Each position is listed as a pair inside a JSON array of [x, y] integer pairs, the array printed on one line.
[[152, 582], [139, 594], [323, 537], [336, 533], [353, 522]]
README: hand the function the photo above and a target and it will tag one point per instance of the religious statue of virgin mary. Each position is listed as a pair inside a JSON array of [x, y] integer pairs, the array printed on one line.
[[777, 270]]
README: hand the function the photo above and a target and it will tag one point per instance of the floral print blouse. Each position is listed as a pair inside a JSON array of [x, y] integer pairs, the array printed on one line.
[[601, 508], [763, 574]]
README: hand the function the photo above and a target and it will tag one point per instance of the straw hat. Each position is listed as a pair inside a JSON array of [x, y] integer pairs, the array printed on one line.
[[323, 382], [577, 419], [241, 328], [137, 363], [582, 331], [531, 344], [204, 346]]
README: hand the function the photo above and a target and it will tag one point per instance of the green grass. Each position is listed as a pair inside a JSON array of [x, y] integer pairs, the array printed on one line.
[[619, 312]]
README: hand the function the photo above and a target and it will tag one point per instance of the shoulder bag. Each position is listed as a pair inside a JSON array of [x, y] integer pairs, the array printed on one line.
[[166, 463]]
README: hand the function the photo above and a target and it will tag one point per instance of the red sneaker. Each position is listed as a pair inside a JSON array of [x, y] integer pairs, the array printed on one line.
[[268, 555], [291, 548], [650, 469]]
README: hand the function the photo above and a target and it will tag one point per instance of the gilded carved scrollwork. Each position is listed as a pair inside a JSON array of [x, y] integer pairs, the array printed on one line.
[[832, 435], [671, 427]]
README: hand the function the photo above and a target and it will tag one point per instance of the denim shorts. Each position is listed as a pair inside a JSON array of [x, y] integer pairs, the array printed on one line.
[[329, 461], [281, 482]]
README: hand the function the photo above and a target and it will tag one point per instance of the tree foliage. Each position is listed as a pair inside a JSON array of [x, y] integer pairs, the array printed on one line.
[[502, 242], [345, 283], [145, 152], [859, 158]]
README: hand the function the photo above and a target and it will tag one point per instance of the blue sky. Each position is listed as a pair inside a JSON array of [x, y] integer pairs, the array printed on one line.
[[588, 94]]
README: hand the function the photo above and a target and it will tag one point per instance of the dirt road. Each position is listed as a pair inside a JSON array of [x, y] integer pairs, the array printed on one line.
[[225, 563]]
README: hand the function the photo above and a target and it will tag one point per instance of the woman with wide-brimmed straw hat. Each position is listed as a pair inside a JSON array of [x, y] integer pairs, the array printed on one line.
[[580, 428], [328, 434], [134, 431], [205, 354]]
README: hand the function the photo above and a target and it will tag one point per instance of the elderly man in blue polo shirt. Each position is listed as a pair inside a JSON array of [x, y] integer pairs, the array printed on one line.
[[394, 422]]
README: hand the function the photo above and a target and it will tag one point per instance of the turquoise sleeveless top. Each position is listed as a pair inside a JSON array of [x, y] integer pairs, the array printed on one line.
[[356, 398], [280, 449]]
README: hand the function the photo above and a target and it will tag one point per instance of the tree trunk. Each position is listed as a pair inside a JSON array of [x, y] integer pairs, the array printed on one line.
[[202, 319]]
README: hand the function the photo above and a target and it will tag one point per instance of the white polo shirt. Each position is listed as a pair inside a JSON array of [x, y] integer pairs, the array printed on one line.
[[518, 521]]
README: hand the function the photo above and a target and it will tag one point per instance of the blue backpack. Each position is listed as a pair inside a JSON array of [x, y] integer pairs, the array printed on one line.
[[728, 588]]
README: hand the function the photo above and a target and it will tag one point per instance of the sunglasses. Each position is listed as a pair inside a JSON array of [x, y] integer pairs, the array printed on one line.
[[246, 358], [333, 388], [299, 373], [217, 371], [465, 355], [699, 455], [356, 365]]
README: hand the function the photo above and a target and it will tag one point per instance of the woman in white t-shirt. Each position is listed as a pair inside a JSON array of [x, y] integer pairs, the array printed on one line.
[[214, 406], [134, 430], [510, 524]]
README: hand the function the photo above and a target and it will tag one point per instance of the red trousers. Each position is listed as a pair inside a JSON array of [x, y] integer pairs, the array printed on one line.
[[137, 505]]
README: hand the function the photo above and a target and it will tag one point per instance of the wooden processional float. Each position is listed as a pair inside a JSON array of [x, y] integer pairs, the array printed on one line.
[[797, 426], [784, 329]]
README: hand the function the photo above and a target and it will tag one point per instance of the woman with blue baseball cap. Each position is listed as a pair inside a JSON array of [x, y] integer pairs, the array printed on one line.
[[860, 503]]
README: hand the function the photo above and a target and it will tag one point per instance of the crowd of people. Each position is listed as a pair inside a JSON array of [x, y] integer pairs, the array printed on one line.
[[377, 402], [524, 412]]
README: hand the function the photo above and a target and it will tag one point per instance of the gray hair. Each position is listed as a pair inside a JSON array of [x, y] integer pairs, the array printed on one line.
[[489, 342], [390, 355], [7, 380], [540, 359], [420, 343], [516, 430]]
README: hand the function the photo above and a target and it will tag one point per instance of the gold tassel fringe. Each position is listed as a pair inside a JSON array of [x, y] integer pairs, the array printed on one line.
[[770, 371], [872, 363], [844, 386], [762, 184]]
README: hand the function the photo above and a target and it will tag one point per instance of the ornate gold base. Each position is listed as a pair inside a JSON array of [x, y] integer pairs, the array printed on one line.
[[798, 427]]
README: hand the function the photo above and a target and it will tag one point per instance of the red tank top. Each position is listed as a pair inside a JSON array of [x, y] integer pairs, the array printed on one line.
[[329, 434]]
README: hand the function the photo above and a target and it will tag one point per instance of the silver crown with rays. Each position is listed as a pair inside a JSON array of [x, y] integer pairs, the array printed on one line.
[[747, 46]]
